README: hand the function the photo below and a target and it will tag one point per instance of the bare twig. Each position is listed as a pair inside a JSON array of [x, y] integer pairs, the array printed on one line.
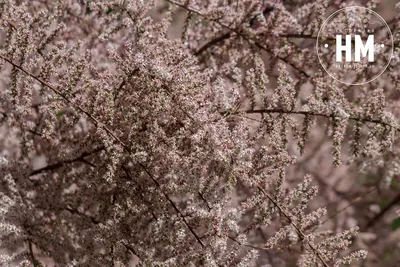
[[60, 164], [131, 250], [247, 245], [35, 262], [227, 35], [76, 212], [205, 201], [3, 113], [354, 201], [382, 212]]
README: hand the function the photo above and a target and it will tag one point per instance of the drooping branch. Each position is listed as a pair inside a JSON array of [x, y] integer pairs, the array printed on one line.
[[308, 113], [213, 42]]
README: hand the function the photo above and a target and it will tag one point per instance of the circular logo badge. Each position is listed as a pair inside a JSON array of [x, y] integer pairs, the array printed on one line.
[[355, 45]]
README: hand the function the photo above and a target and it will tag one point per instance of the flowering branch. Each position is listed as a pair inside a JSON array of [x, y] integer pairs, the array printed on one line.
[[310, 113], [239, 33], [302, 235], [97, 123], [173, 205]]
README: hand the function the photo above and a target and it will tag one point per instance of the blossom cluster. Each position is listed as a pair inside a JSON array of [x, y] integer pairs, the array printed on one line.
[[128, 146]]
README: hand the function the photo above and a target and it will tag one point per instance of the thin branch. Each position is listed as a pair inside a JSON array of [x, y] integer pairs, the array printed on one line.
[[88, 163], [140, 192], [246, 245], [213, 42], [95, 121], [258, 247], [60, 164], [352, 202], [227, 35], [376, 218], [76, 212], [310, 113], [300, 36], [35, 262], [302, 235], [205, 201], [172, 204], [131, 250], [3, 113]]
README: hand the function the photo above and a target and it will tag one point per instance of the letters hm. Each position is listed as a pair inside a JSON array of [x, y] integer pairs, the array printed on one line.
[[359, 49]]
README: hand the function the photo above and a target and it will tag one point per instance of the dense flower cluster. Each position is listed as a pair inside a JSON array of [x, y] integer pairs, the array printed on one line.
[[124, 145]]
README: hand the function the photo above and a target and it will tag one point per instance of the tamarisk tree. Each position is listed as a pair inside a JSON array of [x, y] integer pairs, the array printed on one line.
[[163, 133]]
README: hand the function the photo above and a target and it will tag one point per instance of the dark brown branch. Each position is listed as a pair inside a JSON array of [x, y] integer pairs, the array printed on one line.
[[228, 34], [131, 250], [60, 164], [213, 42], [88, 163], [376, 218], [300, 36], [309, 113], [205, 201], [92, 219], [141, 190], [35, 262], [172, 204], [3, 113]]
